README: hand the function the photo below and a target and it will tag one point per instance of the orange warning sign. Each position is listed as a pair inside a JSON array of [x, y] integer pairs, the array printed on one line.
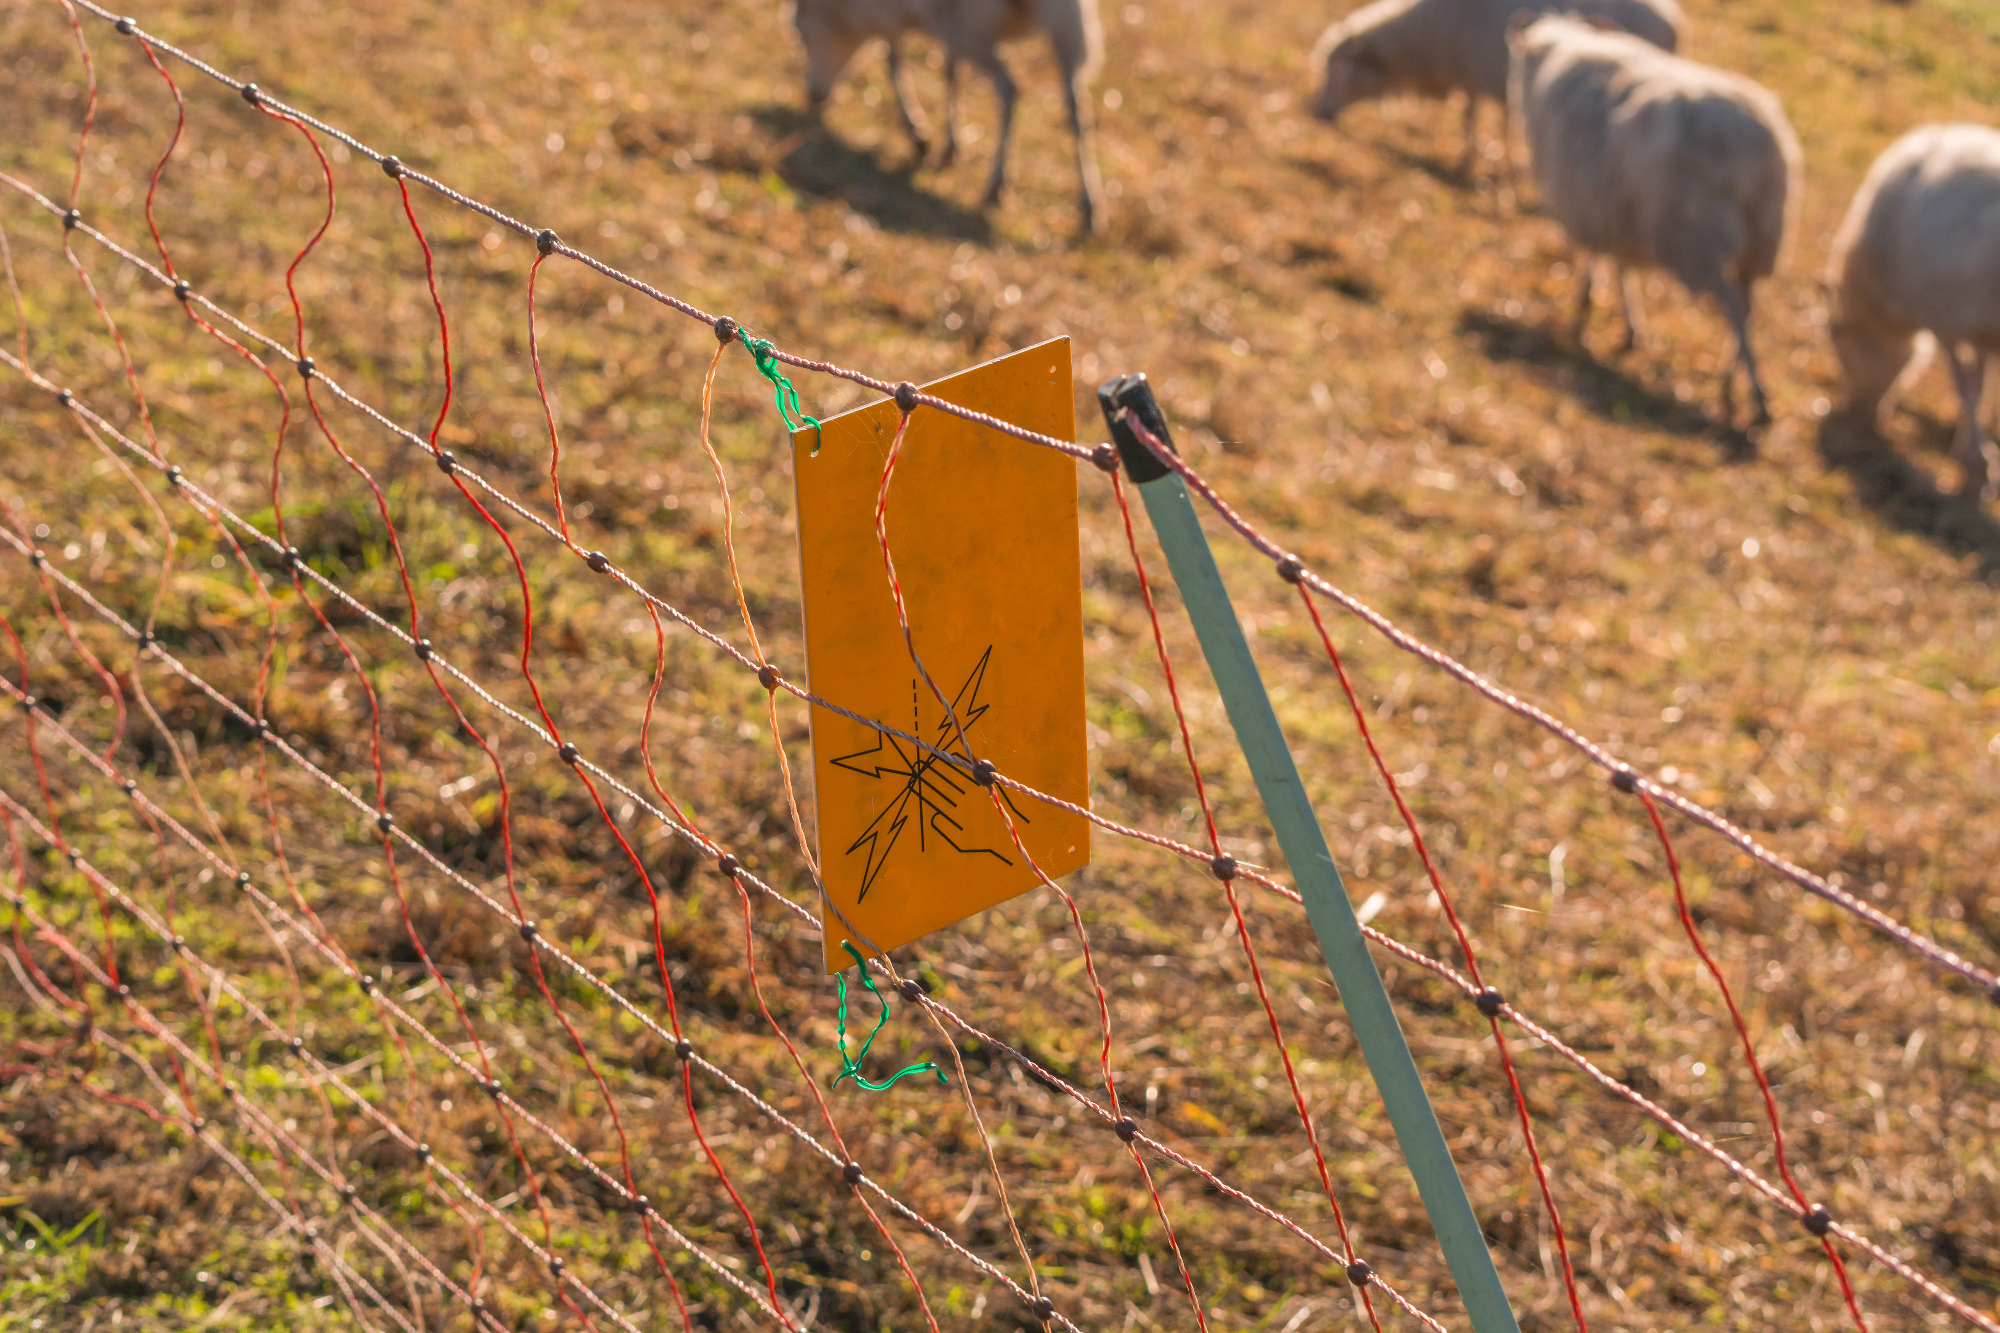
[[983, 528]]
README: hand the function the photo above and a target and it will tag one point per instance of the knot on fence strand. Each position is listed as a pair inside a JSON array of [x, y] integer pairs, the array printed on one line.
[[766, 356], [850, 1066]]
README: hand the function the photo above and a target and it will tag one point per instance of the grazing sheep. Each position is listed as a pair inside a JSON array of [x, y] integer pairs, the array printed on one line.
[[1434, 48], [971, 31], [1920, 251], [1656, 161]]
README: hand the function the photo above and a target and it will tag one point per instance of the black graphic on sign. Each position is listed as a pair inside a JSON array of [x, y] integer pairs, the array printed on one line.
[[931, 788]]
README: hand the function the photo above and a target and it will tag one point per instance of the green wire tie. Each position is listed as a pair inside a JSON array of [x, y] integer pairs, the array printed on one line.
[[766, 357], [851, 1068]]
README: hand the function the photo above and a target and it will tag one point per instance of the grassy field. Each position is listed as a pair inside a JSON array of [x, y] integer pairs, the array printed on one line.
[[1365, 351]]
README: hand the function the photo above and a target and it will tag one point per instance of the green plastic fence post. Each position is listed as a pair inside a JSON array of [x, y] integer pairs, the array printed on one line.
[[1313, 869]]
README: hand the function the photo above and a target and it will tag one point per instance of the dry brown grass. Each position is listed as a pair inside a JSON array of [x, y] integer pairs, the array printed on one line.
[[1360, 348]]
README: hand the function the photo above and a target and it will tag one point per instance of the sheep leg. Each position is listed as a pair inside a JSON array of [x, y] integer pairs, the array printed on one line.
[[1005, 90], [1471, 161], [1736, 301], [1090, 204], [1628, 306], [906, 105], [1587, 266], [950, 153], [1970, 377]]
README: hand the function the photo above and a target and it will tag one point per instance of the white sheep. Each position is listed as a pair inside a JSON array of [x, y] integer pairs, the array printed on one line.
[[1656, 161], [970, 31], [1920, 251], [1434, 48]]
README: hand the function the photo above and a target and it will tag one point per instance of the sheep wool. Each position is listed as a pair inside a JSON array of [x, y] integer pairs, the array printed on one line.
[[1919, 251], [1434, 48], [1658, 162]]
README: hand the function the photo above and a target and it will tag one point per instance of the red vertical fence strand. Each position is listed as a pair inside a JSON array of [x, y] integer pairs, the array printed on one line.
[[1224, 868], [568, 752], [500, 772], [1001, 804], [1816, 1218], [1244, 527], [767, 676], [1465, 951], [1825, 1226], [932, 1010], [71, 217]]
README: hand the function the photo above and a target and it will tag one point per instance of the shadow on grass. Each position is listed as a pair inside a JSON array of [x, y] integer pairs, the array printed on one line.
[[1449, 173], [1905, 496], [1603, 389], [814, 161]]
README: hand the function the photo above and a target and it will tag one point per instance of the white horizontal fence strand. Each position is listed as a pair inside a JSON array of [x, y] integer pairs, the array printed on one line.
[[1493, 692], [1598, 754], [239, 1104], [1048, 1077], [343, 1271], [1902, 1268], [377, 995], [540, 941], [202, 500], [329, 1076]]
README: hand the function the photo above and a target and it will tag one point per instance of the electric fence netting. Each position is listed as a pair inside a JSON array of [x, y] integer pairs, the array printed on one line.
[[404, 780]]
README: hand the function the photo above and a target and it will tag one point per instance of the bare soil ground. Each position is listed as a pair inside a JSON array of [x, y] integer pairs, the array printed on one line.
[[1366, 351]]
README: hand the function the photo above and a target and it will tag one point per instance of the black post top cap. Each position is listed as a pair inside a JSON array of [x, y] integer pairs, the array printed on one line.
[[1131, 393]]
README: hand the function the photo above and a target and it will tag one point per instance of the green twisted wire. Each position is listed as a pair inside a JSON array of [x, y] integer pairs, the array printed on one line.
[[766, 356], [851, 1067]]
